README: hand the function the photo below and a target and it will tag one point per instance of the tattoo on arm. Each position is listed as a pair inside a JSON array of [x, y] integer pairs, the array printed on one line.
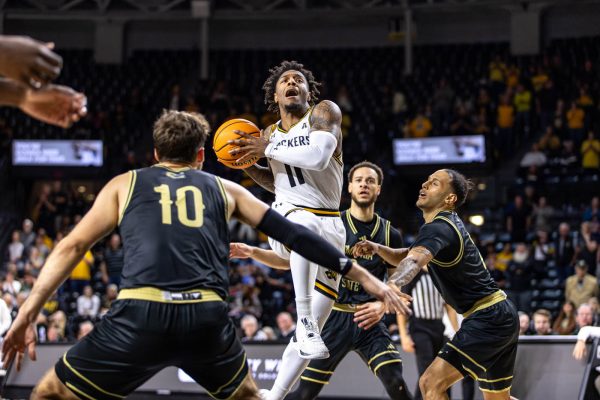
[[407, 270], [263, 176], [326, 116]]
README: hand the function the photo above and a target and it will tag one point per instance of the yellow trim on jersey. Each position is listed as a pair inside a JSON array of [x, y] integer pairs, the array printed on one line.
[[224, 194], [79, 391], [474, 375], [338, 158], [396, 360], [486, 302], [322, 213], [381, 354], [351, 223], [326, 289], [86, 380], [314, 380], [172, 169], [280, 129], [388, 230], [468, 357], [214, 394], [462, 245], [495, 391], [349, 308], [163, 296], [319, 371], [377, 225], [132, 179]]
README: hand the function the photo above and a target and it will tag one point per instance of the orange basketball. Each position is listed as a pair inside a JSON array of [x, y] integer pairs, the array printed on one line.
[[226, 133]]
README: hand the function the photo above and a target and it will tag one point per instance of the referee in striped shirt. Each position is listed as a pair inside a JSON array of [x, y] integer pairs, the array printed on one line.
[[423, 332]]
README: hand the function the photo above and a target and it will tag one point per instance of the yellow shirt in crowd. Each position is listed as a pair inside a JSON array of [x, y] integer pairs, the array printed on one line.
[[590, 153], [575, 118], [83, 270], [506, 115]]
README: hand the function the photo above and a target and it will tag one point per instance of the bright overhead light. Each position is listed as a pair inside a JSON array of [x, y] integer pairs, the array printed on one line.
[[476, 220]]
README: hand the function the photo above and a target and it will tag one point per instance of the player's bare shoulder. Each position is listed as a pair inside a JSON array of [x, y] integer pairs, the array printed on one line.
[[326, 116]]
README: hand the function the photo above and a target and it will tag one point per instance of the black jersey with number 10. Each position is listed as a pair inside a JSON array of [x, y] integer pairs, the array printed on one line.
[[174, 229]]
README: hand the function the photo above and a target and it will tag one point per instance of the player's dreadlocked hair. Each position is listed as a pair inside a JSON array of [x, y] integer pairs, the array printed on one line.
[[461, 186], [276, 72]]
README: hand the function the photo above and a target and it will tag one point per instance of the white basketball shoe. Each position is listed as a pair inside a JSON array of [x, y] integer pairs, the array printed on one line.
[[309, 343]]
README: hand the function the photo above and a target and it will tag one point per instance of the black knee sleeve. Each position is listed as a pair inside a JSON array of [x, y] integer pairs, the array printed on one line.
[[391, 377]]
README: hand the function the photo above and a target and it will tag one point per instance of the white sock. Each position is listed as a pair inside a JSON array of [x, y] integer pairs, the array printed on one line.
[[292, 365], [304, 274]]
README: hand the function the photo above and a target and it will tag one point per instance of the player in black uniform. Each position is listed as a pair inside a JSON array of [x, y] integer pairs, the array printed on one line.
[[485, 346], [355, 313], [170, 311]]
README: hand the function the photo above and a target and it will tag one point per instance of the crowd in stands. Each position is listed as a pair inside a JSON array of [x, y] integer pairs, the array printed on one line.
[[542, 248]]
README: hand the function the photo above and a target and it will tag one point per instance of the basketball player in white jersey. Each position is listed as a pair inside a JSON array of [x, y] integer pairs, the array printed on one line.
[[304, 153]]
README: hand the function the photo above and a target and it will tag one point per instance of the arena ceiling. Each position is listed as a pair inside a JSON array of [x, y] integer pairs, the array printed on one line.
[[256, 7]]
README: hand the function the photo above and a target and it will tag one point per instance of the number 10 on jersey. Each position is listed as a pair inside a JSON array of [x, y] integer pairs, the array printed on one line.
[[182, 211]]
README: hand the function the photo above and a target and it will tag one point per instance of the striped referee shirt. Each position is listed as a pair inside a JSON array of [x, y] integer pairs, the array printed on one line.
[[427, 302]]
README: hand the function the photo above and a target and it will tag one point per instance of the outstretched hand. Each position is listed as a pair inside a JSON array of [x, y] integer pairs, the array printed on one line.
[[396, 301], [20, 337], [364, 248], [249, 147], [239, 250], [28, 61], [55, 104], [369, 314]]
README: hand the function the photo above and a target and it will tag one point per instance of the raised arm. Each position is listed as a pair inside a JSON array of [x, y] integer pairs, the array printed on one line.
[[267, 257], [389, 255]]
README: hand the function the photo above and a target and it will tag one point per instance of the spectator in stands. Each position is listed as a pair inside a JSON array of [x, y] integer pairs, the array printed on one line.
[[534, 157], [518, 219], [461, 124], [84, 329], [542, 215], [82, 273], [504, 257], [112, 291], [584, 316], [546, 103], [34, 262], [543, 251], [568, 158], [522, 103], [564, 251], [524, 323], [559, 120], [587, 247], [27, 234], [580, 287], [247, 302], [519, 276], [565, 322], [343, 99], [420, 126], [505, 121], [575, 123], [250, 329], [592, 213], [595, 305], [399, 105], [45, 210], [286, 325], [590, 153], [550, 143], [88, 304], [175, 98], [497, 72], [586, 103], [443, 100], [542, 322], [112, 263], [11, 303], [41, 246], [15, 248], [498, 276]]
